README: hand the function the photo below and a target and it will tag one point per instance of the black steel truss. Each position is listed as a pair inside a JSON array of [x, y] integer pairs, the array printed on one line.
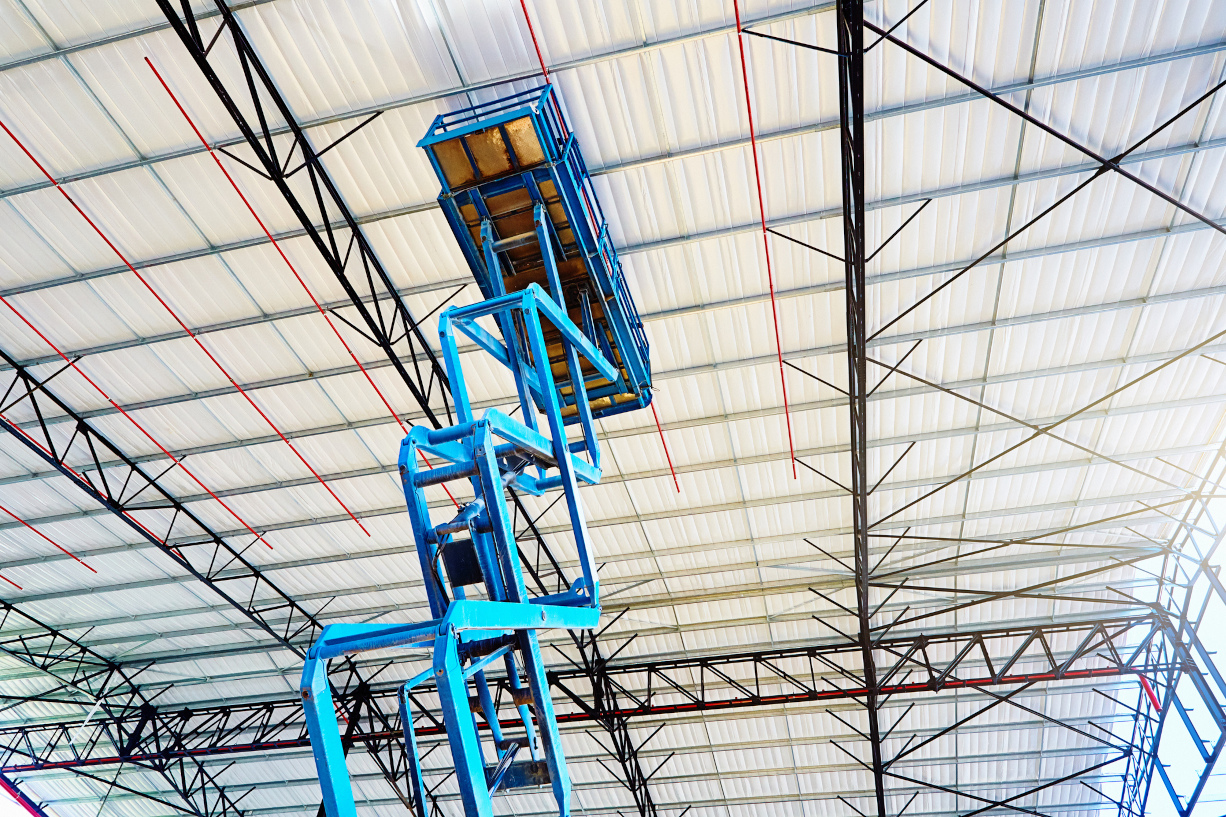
[[89, 460], [33, 414], [385, 320], [849, 20], [83, 679], [917, 665]]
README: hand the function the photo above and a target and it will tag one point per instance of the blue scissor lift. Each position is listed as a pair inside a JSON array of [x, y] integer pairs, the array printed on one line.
[[558, 316]]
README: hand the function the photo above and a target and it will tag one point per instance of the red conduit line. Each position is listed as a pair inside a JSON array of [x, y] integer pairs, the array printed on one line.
[[81, 477], [22, 800], [665, 444], [770, 278], [288, 263], [98, 388], [1153, 699], [523, 5], [183, 326], [10, 581], [46, 538]]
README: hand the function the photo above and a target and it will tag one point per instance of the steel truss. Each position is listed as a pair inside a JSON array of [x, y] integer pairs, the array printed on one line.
[[916, 665], [385, 320], [338, 237], [99, 468], [849, 22], [85, 680], [91, 462]]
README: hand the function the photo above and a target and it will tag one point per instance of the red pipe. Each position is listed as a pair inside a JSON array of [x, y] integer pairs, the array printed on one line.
[[1149, 690], [770, 277], [98, 388], [523, 5], [46, 538], [18, 795], [183, 326], [81, 477], [581, 715], [665, 444], [289, 264]]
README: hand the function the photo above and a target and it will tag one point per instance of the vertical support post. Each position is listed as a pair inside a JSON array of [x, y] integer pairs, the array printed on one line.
[[561, 450], [416, 784], [551, 740], [850, 22], [326, 739], [419, 512], [461, 729]]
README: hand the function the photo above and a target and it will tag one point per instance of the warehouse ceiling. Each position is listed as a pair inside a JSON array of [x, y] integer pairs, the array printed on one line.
[[1065, 387]]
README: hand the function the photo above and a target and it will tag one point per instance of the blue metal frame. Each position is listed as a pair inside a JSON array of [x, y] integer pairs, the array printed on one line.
[[565, 169], [466, 635]]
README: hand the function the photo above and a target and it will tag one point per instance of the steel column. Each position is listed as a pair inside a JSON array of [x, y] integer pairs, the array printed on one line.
[[850, 24]]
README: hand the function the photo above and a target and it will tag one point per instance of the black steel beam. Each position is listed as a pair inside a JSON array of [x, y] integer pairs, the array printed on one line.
[[1106, 163], [849, 20], [89, 681], [992, 657]]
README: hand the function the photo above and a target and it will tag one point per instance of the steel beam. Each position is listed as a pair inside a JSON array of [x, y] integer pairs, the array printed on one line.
[[85, 680], [96, 466], [850, 26], [648, 689], [123, 491]]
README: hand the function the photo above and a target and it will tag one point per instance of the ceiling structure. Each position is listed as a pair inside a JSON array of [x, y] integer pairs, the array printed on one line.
[[920, 584]]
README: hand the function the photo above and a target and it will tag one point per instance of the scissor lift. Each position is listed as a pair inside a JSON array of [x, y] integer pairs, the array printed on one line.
[[574, 345]]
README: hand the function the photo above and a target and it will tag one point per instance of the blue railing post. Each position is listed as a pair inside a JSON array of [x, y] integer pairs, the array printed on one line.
[[320, 710]]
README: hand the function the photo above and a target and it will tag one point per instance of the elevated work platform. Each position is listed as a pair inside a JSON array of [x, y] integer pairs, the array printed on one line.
[[519, 199], [522, 206]]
